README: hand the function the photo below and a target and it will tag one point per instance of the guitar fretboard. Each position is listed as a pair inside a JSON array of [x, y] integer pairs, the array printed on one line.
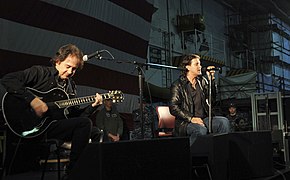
[[75, 101], [84, 100]]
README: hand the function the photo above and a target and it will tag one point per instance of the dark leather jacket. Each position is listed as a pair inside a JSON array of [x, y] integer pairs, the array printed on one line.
[[181, 104]]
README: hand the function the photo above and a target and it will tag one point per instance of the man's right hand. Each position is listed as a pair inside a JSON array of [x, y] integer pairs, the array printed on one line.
[[38, 106], [197, 121], [113, 137]]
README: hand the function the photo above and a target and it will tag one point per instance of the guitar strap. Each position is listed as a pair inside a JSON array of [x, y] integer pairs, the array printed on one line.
[[71, 88], [68, 86]]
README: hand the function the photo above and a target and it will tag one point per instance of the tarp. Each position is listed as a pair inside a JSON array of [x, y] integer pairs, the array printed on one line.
[[157, 93], [238, 86], [242, 85]]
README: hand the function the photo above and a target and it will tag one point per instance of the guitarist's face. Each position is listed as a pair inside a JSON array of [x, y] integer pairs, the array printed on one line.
[[68, 67]]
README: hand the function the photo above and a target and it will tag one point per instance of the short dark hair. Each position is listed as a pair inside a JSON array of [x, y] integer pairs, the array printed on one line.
[[67, 50], [186, 60], [232, 105]]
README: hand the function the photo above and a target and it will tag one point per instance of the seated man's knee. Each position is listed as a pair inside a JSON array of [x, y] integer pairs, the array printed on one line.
[[196, 129], [203, 131], [224, 124]]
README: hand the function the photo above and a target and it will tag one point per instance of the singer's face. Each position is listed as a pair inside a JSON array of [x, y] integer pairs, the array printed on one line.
[[68, 67], [195, 67]]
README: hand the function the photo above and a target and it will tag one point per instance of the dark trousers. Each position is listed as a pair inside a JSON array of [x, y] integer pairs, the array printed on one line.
[[77, 130]]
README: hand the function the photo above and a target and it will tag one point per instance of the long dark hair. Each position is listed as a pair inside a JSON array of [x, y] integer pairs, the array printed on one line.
[[67, 50], [186, 60]]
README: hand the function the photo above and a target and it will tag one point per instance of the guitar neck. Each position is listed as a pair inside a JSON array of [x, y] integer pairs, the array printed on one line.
[[75, 101], [79, 101]]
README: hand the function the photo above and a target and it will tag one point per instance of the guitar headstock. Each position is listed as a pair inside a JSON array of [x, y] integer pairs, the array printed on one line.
[[116, 96]]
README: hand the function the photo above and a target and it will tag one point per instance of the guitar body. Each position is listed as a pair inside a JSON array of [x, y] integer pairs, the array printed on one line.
[[21, 118]]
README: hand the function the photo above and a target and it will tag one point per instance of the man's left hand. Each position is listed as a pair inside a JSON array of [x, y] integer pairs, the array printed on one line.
[[98, 100]]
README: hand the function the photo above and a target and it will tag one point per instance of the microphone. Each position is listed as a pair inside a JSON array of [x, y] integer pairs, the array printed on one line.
[[213, 69], [96, 54]]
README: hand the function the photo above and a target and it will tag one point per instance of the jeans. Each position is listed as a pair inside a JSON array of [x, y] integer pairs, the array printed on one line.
[[219, 125]]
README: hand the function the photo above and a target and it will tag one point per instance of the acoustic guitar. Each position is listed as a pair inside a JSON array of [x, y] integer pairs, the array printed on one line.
[[24, 122]]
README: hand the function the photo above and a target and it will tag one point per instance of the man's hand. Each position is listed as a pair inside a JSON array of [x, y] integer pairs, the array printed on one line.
[[38, 106], [98, 100], [210, 74], [197, 121], [114, 138]]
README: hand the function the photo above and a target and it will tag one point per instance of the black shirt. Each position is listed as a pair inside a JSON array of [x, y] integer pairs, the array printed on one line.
[[41, 78], [195, 94]]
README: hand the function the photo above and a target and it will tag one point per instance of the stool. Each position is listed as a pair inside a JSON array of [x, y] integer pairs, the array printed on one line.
[[200, 168], [53, 146], [202, 171]]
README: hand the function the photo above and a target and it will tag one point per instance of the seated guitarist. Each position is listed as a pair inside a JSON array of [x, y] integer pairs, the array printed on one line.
[[66, 62]]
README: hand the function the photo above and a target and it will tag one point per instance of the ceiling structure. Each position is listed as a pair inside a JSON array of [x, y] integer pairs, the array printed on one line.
[[280, 8]]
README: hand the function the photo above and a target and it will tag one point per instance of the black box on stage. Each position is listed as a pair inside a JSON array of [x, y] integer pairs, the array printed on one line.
[[251, 155], [239, 155], [215, 148], [167, 158]]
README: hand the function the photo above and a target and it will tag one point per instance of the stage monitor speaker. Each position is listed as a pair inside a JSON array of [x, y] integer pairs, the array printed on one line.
[[215, 149], [238, 155], [167, 158], [251, 155]]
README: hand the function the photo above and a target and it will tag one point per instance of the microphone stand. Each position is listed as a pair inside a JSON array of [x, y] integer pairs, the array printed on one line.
[[209, 104], [210, 99], [139, 68]]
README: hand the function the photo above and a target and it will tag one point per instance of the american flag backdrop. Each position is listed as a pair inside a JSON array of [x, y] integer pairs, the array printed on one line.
[[31, 31]]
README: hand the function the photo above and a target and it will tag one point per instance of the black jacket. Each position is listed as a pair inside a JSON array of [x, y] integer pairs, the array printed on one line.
[[181, 103]]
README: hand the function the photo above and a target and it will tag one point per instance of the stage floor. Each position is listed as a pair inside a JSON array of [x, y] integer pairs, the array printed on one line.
[[232, 155], [36, 175]]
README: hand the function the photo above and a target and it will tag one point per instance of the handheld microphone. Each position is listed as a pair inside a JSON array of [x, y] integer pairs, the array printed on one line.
[[213, 69], [96, 54]]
